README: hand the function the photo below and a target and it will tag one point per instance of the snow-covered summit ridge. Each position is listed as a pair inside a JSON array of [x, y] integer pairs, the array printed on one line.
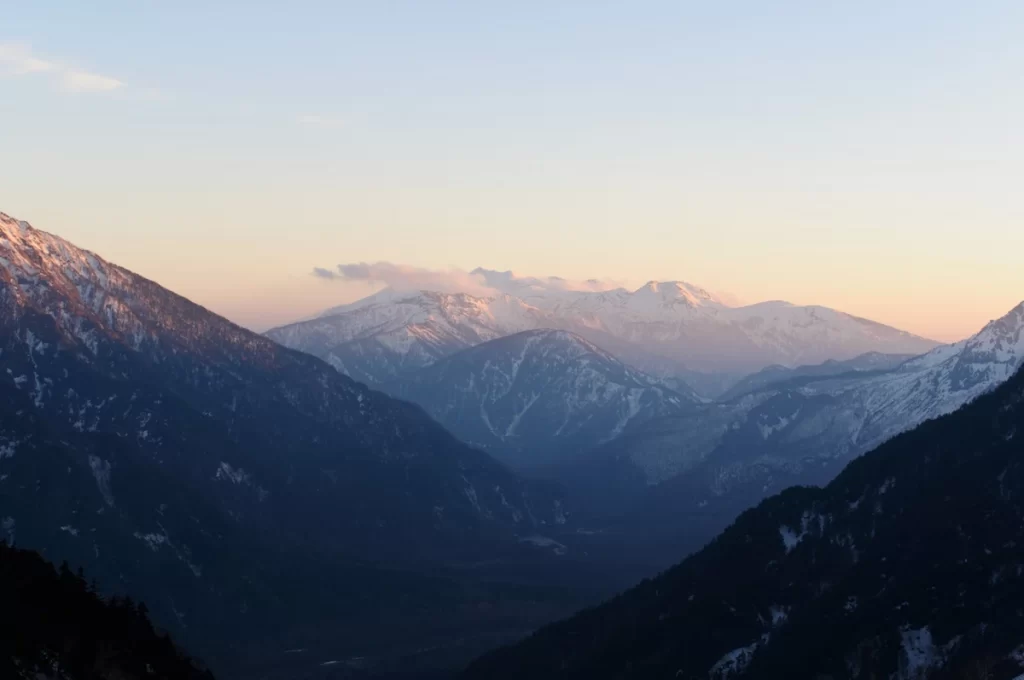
[[670, 292], [424, 305], [553, 291], [984, 360], [379, 337], [31, 255]]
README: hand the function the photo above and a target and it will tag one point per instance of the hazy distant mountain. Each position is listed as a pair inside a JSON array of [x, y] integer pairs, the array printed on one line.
[[538, 397], [209, 470], [773, 375], [841, 414], [907, 566], [685, 324]]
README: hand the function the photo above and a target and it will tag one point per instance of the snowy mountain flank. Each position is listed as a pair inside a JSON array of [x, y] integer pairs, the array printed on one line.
[[711, 463], [663, 329], [380, 337], [223, 478], [838, 416], [538, 397]]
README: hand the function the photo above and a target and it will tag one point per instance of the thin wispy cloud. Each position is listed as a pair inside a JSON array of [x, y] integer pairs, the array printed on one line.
[[320, 121], [328, 274], [83, 81], [405, 277], [18, 60], [479, 282]]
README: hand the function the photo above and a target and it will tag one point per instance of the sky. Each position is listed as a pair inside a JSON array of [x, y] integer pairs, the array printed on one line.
[[867, 156]]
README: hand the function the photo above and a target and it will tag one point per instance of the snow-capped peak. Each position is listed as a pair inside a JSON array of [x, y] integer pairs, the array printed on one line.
[[673, 292], [31, 251], [377, 338], [994, 354], [43, 265], [388, 310], [90, 298], [1007, 326]]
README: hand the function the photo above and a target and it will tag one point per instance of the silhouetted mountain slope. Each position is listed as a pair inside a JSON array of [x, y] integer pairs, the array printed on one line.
[[233, 484], [53, 626], [910, 564]]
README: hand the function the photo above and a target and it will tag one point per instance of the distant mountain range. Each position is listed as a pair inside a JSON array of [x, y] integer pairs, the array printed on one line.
[[538, 397], [907, 566], [682, 466], [664, 329], [234, 484]]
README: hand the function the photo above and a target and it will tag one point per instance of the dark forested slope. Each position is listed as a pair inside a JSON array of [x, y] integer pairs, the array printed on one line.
[[53, 626]]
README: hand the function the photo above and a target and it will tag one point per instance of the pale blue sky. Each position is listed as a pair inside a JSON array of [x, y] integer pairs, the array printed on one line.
[[866, 155]]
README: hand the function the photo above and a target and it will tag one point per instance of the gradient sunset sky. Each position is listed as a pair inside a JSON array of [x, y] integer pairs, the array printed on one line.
[[868, 156]]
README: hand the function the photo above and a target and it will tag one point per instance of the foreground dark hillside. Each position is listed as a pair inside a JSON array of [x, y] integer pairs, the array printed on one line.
[[53, 625], [910, 564]]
